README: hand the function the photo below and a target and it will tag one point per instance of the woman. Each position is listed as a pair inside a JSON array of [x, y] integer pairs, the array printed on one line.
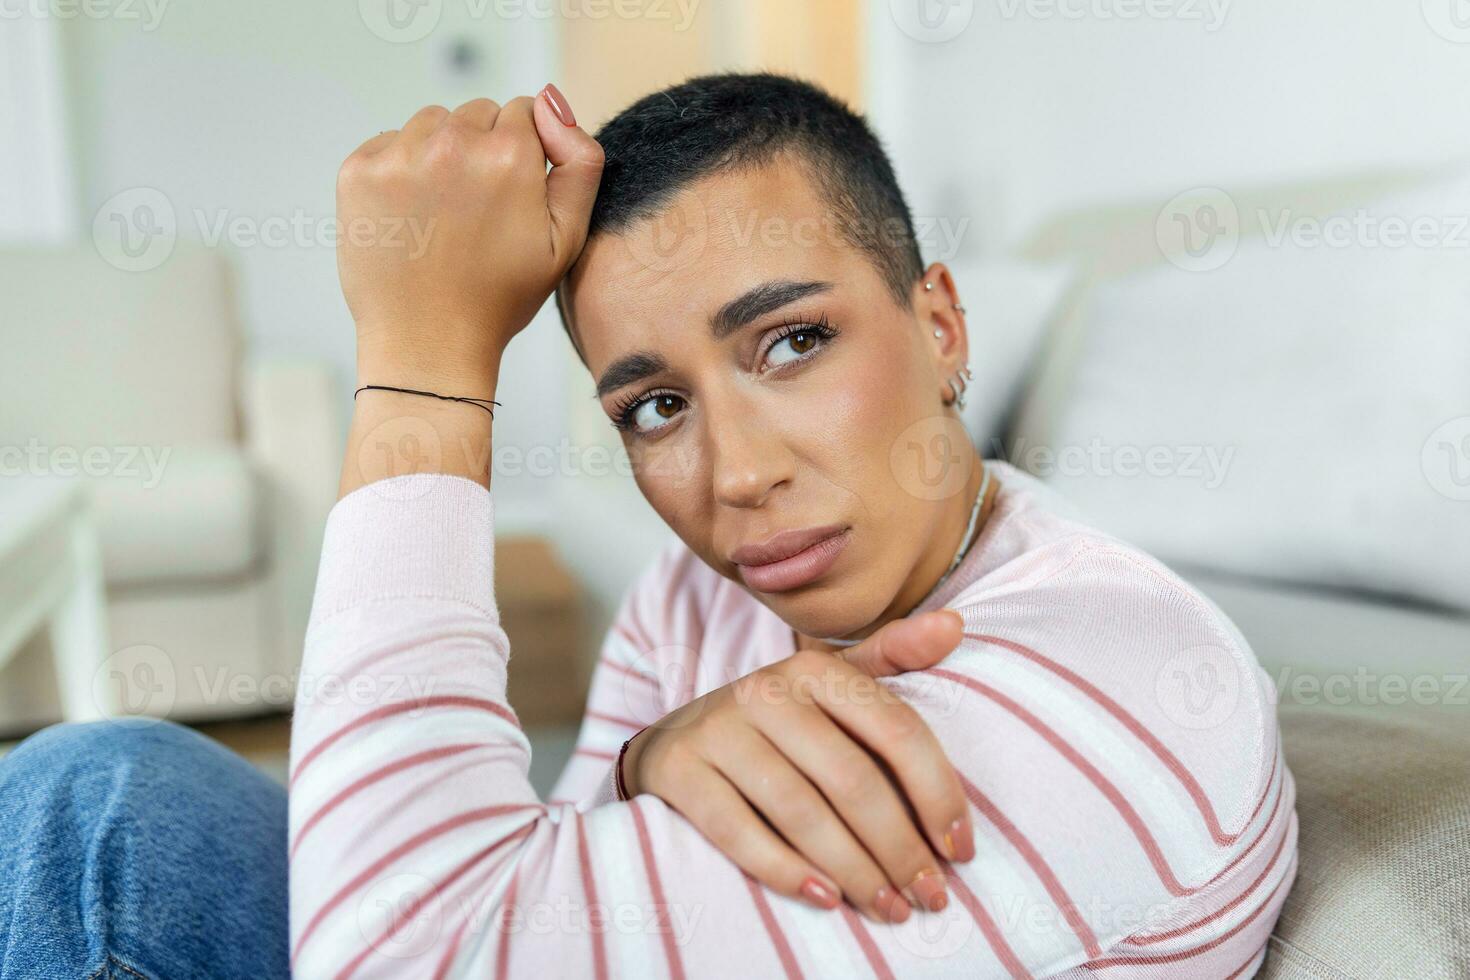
[[1028, 791]]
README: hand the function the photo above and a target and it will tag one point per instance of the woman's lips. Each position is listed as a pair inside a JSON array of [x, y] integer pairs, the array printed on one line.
[[799, 569]]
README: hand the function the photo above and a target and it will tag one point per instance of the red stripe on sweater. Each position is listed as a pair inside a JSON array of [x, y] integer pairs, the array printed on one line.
[[1171, 762], [988, 928], [865, 943], [1195, 951], [1037, 863], [589, 891], [1113, 795], [389, 710], [777, 935], [378, 774], [1222, 911], [413, 843], [656, 887], [418, 903]]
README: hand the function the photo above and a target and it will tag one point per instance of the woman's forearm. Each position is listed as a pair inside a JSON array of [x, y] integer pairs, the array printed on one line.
[[395, 434]]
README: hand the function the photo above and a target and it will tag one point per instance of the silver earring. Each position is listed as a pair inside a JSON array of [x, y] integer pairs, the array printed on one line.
[[957, 384], [960, 307], [928, 287], [938, 333]]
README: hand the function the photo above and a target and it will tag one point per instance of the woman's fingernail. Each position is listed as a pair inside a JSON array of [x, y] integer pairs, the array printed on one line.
[[817, 892], [959, 842], [927, 891], [559, 104], [891, 905]]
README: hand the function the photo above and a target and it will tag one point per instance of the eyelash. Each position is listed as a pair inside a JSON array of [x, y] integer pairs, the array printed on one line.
[[628, 406]]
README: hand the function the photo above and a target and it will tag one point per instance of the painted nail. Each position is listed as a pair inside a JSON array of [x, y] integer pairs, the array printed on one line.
[[891, 905], [927, 891], [817, 892], [959, 842], [559, 104]]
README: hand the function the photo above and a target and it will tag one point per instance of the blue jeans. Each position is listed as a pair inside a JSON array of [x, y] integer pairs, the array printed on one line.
[[139, 849]]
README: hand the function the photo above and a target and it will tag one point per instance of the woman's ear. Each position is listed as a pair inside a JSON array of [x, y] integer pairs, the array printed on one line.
[[942, 318]]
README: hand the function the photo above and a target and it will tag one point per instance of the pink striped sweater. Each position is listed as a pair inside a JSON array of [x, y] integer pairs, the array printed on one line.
[[1133, 814]]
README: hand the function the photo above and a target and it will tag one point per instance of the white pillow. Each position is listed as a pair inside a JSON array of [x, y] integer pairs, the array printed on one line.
[[1009, 305], [1307, 408]]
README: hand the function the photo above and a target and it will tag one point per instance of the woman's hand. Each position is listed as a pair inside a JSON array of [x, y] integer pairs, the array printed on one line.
[[781, 771], [452, 233]]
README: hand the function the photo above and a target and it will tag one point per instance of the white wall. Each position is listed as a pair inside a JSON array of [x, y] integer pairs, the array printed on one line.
[[243, 112], [1039, 105], [37, 201]]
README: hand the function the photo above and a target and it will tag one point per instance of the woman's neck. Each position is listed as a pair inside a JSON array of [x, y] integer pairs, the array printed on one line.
[[935, 562]]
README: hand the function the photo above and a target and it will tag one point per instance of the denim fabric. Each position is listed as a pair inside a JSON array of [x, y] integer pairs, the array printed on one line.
[[139, 849]]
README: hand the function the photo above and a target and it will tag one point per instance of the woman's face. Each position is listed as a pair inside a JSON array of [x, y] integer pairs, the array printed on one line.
[[770, 383]]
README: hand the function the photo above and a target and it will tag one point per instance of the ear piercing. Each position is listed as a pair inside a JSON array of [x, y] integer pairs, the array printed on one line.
[[929, 288], [957, 383]]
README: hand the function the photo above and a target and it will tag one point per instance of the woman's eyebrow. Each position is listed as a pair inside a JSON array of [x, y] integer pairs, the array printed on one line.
[[750, 305], [757, 302]]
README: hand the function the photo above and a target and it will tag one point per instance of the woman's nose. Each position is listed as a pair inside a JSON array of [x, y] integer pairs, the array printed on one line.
[[749, 458]]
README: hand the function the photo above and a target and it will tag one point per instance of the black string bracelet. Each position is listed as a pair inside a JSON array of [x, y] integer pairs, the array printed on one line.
[[484, 403]]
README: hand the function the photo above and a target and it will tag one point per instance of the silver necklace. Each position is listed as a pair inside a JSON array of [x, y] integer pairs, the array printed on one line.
[[959, 554]]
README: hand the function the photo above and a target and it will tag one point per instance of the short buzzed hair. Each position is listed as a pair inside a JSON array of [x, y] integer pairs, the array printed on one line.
[[665, 141]]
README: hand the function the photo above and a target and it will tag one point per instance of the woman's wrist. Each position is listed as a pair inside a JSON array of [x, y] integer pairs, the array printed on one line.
[[395, 433]]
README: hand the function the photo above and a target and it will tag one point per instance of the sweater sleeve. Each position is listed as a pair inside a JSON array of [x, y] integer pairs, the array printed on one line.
[[627, 692], [418, 847]]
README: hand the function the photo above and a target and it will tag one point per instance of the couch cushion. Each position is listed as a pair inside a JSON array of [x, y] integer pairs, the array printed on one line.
[[98, 357], [1382, 888], [180, 514], [1299, 413]]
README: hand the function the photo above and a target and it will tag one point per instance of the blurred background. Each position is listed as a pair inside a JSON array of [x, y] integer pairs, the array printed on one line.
[[1216, 256]]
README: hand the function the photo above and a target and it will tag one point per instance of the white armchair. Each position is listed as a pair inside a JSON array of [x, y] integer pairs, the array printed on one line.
[[210, 478]]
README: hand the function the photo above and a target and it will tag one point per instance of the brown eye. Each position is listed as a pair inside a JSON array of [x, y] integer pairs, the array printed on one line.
[[654, 412]]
